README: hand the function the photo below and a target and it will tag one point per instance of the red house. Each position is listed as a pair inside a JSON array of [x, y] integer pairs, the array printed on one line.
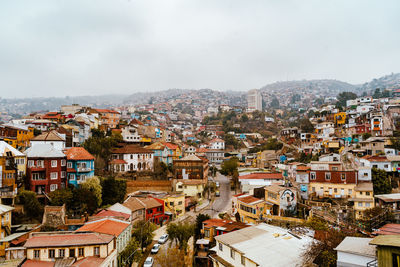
[[46, 169], [153, 208], [363, 128]]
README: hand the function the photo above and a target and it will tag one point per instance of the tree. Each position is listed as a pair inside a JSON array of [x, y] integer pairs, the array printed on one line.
[[343, 97], [173, 257], [94, 186], [230, 140], [235, 180], [113, 190], [381, 182], [181, 233], [306, 125], [244, 118], [130, 254], [60, 197], [200, 218], [274, 103], [160, 170], [85, 201], [143, 232], [32, 207], [229, 166]]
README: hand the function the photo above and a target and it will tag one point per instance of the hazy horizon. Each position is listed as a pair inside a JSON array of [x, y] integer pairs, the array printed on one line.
[[85, 48]]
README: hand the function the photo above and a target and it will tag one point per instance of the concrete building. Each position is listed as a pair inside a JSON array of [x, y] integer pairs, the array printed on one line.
[[254, 100]]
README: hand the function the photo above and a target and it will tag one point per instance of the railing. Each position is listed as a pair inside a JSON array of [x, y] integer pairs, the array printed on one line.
[[84, 169], [373, 263]]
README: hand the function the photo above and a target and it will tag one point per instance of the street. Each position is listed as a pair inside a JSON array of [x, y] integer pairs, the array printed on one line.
[[220, 204], [223, 202]]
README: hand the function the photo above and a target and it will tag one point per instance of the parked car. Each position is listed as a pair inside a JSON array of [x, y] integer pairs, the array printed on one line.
[[148, 262], [217, 193], [217, 184], [163, 239], [155, 248]]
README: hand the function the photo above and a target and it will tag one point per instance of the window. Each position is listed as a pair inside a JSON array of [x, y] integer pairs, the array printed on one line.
[[368, 193], [63, 161], [313, 189], [53, 187], [327, 176], [96, 251], [232, 253], [171, 203], [53, 175], [334, 168], [335, 190], [343, 176], [386, 166], [52, 253], [312, 176], [375, 166], [63, 174], [61, 253], [360, 204], [350, 191], [36, 253], [207, 233], [220, 246], [30, 163], [36, 176], [69, 165], [71, 252], [395, 260], [81, 252], [367, 204], [243, 260], [54, 163]]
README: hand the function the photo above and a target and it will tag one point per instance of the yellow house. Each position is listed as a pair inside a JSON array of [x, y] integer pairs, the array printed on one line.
[[250, 209], [340, 118], [94, 249], [5, 227], [17, 136], [12, 167], [175, 204], [363, 199], [190, 188]]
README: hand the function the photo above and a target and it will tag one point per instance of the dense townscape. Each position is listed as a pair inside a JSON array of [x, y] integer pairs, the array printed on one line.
[[302, 176]]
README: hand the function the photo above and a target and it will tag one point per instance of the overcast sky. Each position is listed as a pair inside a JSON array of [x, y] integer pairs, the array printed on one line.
[[82, 47]]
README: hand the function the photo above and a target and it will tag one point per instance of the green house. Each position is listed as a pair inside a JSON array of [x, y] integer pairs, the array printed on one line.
[[388, 250]]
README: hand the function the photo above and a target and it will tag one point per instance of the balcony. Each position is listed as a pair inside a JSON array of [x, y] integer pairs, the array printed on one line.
[[84, 169]]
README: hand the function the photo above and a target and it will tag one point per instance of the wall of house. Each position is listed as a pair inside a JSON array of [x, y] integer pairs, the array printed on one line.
[[385, 255], [235, 260], [345, 259], [328, 189]]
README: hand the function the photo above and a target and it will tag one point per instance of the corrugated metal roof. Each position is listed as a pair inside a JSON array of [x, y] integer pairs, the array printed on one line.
[[357, 245], [43, 151]]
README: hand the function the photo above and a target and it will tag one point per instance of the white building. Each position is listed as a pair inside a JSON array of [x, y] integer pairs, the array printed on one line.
[[355, 252], [254, 100], [53, 138], [131, 158], [217, 143], [130, 134], [260, 245]]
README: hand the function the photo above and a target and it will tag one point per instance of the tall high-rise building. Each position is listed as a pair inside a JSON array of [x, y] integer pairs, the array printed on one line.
[[254, 100]]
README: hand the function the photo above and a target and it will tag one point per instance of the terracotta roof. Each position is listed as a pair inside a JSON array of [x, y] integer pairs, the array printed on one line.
[[118, 161], [89, 262], [105, 110], [262, 175], [302, 168], [171, 146], [249, 199], [376, 158], [136, 203], [388, 229], [35, 263], [131, 149], [105, 226], [136, 121], [49, 136], [70, 239], [112, 213], [78, 153], [156, 146], [214, 222]]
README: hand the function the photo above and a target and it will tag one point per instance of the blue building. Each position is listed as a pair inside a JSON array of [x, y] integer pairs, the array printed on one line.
[[80, 165]]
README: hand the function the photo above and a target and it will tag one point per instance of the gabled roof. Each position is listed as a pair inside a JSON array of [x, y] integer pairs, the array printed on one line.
[[262, 175], [5, 208], [388, 229], [43, 151], [171, 146], [131, 149], [135, 203], [49, 136], [357, 245], [67, 239], [136, 121], [249, 199], [156, 146], [78, 153], [5, 147], [105, 226], [112, 213], [190, 158]]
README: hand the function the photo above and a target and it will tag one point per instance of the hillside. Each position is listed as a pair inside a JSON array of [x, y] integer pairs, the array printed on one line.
[[389, 82]]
